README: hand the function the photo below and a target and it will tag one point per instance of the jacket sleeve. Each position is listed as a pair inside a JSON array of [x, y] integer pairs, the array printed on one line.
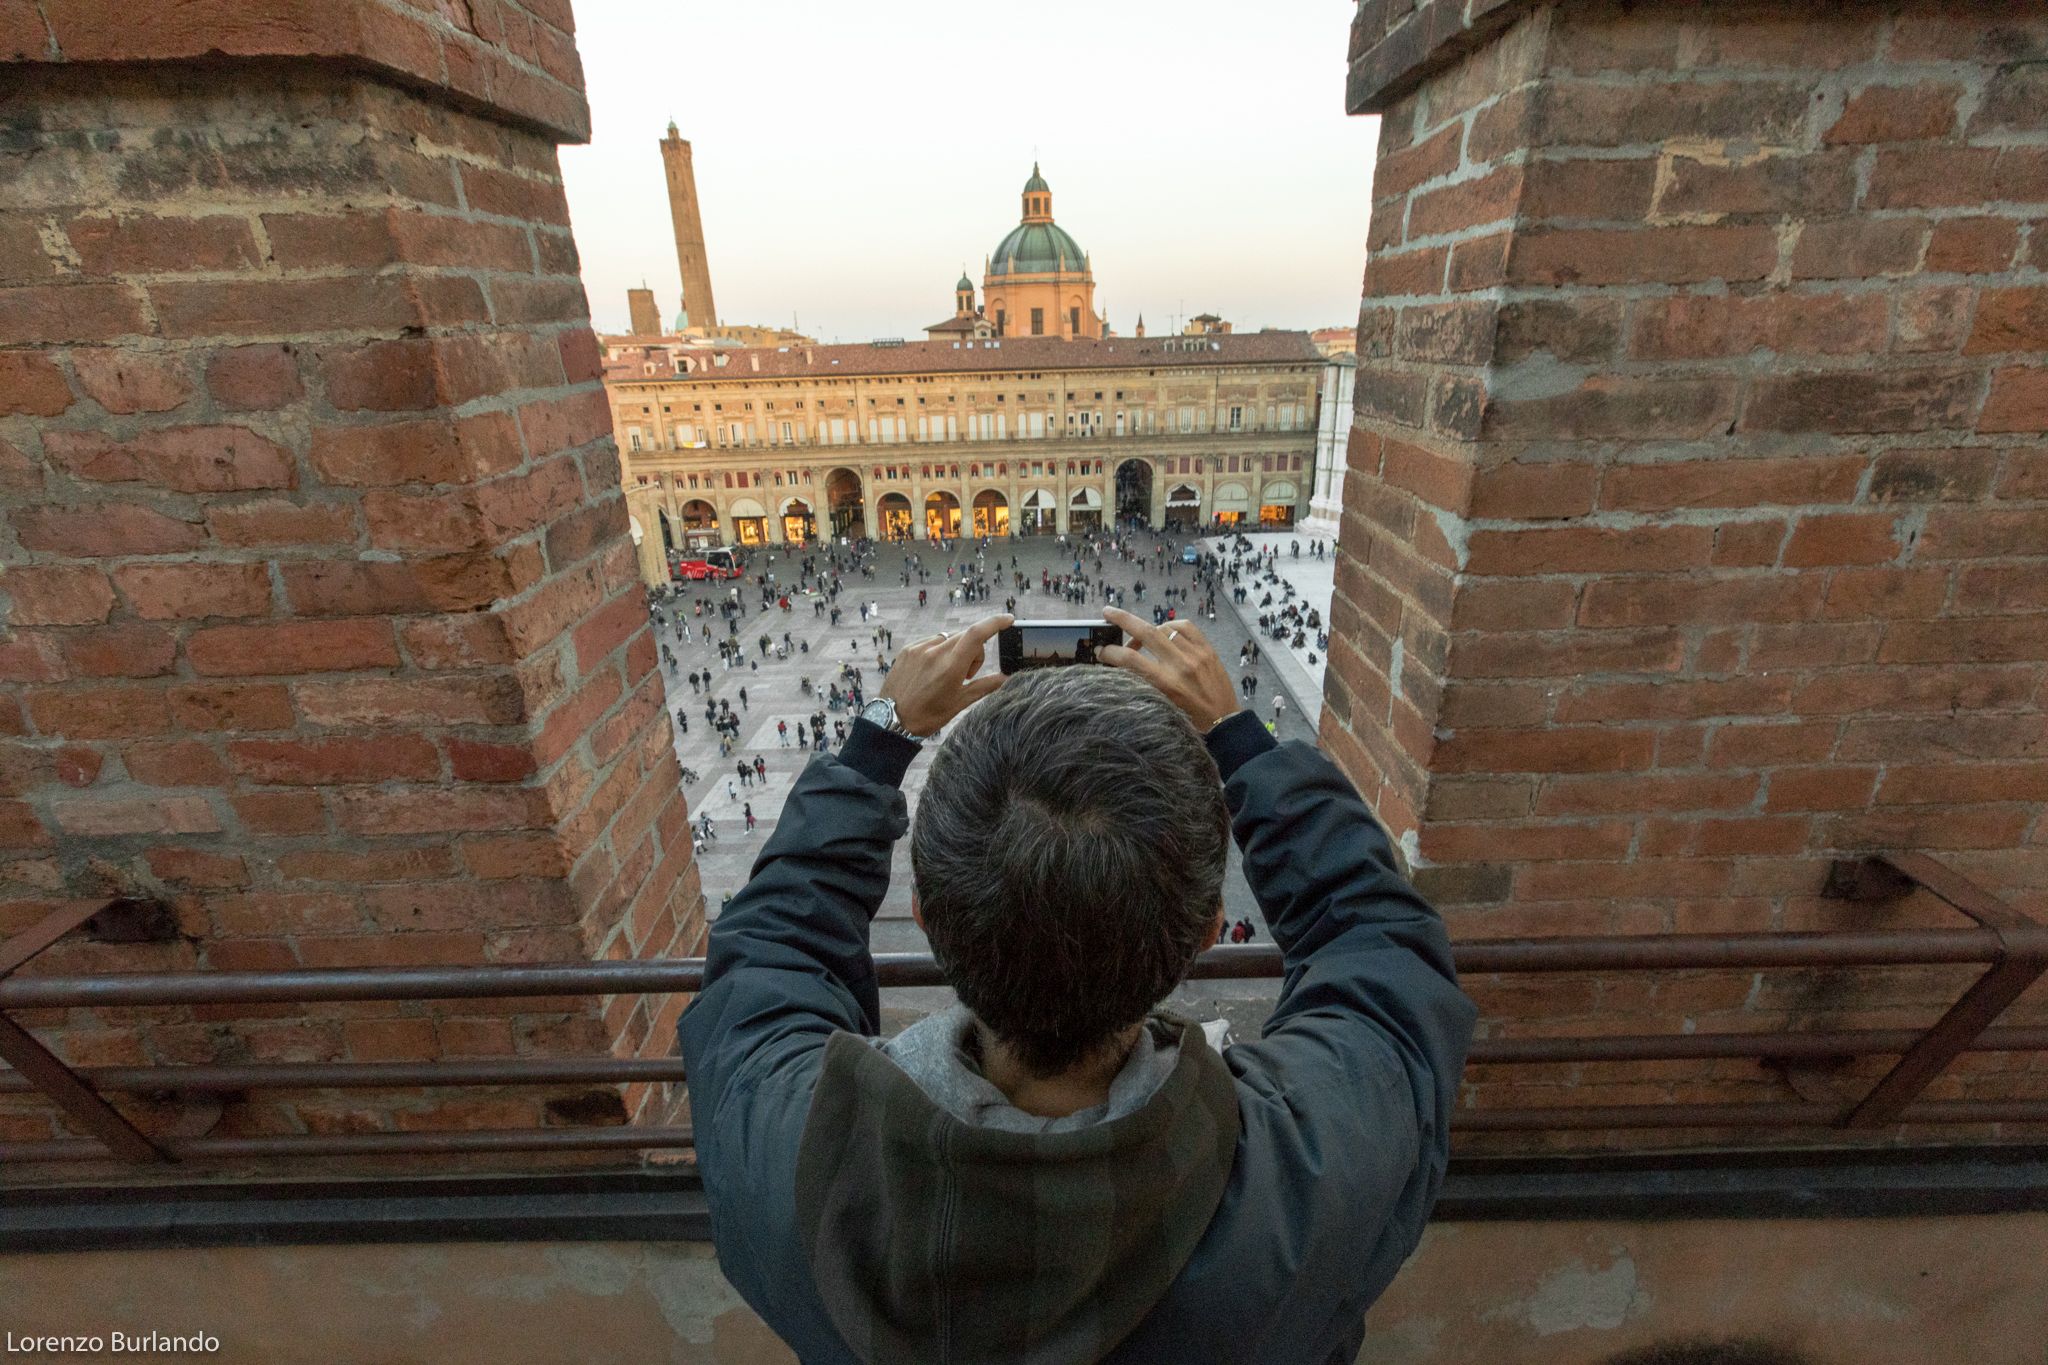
[[789, 960], [1369, 1037]]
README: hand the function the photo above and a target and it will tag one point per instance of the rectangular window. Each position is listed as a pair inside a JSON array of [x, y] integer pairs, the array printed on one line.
[[1074, 326], [1237, 419], [1002, 320], [1038, 322]]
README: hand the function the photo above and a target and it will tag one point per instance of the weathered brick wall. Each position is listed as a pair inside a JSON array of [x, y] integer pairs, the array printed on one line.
[[1697, 528], [321, 622]]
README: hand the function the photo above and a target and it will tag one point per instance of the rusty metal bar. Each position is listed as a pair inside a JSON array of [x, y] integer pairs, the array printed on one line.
[[73, 1096], [1672, 952], [2022, 959], [215, 1079], [1787, 1115], [45, 932], [623, 1137], [41, 1069], [228, 1079]]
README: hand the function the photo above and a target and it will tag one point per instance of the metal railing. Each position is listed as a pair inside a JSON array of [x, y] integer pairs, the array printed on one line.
[[2012, 948]]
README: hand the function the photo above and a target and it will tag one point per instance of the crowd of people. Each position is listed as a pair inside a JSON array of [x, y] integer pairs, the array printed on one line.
[[710, 630]]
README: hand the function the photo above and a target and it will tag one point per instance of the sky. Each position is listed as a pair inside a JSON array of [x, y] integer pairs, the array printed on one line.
[[853, 158]]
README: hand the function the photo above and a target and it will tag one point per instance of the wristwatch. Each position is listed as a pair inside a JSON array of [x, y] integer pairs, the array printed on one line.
[[882, 711]]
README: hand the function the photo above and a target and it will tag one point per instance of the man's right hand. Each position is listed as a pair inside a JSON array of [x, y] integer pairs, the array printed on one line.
[[1177, 659]]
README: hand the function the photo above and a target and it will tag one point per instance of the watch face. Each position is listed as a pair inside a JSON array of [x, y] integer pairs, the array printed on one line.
[[879, 712]]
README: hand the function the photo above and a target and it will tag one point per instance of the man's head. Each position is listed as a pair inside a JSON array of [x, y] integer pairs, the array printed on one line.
[[1068, 855]]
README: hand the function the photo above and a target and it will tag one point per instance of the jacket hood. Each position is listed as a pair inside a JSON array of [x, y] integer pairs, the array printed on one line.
[[934, 1239]]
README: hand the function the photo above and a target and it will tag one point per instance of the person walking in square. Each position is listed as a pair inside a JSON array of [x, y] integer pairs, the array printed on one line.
[[782, 732]]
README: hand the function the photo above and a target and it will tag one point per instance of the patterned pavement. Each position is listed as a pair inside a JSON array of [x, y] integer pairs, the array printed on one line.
[[774, 694]]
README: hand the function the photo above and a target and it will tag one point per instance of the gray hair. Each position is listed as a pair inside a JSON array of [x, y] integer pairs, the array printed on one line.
[[1068, 854]]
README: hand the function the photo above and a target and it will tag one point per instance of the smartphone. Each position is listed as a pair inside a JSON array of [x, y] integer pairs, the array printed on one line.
[[1053, 644]]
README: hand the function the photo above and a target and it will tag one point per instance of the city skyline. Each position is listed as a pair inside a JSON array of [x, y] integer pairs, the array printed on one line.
[[1243, 199]]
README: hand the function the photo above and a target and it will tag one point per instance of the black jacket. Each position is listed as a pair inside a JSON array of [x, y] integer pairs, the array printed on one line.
[[1307, 1199]]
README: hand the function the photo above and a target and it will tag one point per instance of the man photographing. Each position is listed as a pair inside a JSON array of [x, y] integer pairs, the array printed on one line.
[[1052, 1171]]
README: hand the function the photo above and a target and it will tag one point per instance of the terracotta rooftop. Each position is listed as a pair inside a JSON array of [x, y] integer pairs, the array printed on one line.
[[1006, 353]]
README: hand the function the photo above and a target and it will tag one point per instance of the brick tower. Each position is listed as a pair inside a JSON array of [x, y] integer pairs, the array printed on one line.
[[682, 206]]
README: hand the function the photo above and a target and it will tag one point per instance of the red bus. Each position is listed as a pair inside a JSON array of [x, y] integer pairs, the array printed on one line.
[[727, 561]]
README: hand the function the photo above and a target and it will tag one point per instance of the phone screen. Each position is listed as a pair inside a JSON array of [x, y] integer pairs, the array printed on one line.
[[1053, 644]]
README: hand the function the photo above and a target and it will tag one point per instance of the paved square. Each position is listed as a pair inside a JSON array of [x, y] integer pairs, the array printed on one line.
[[774, 693]]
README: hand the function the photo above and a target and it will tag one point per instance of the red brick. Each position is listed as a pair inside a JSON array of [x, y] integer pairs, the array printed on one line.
[[312, 241], [2011, 320], [1905, 691], [193, 867], [1934, 320], [161, 815], [21, 827], [1513, 604], [1660, 255], [293, 647], [1771, 745], [321, 762], [2002, 588], [44, 315], [1806, 185], [232, 706], [1897, 113], [1621, 407], [1546, 751], [57, 595], [282, 813], [1887, 593], [1592, 550], [127, 381], [1934, 475], [142, 244], [1814, 645], [1862, 401], [1712, 326], [1956, 784], [1732, 482], [170, 592], [498, 857], [1674, 699], [30, 383], [353, 587], [608, 628], [276, 523], [187, 459], [1965, 641], [382, 376], [1535, 654], [492, 699], [489, 190], [1972, 246], [1843, 538], [280, 308], [442, 239], [99, 712], [407, 452], [466, 810], [120, 651], [1409, 272], [402, 950], [259, 378], [1984, 533], [471, 760], [1659, 602], [2018, 401], [178, 763], [1617, 794]]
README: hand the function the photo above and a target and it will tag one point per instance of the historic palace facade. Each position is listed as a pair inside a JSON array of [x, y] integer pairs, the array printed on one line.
[[1020, 436]]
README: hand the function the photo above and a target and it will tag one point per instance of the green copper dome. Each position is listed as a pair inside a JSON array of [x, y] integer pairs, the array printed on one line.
[[1036, 182], [1037, 249], [965, 284]]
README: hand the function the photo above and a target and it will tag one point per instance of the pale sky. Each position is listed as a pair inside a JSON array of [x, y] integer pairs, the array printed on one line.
[[852, 158]]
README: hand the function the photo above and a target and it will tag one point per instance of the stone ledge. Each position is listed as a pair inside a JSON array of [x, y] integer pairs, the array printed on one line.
[[383, 37], [1396, 44]]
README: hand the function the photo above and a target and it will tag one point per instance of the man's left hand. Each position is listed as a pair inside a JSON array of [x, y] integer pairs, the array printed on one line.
[[934, 680]]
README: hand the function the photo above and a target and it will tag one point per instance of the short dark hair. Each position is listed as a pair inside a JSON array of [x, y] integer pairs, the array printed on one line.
[[1068, 855]]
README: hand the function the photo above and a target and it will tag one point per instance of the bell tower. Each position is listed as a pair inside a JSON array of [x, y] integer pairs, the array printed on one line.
[[682, 208]]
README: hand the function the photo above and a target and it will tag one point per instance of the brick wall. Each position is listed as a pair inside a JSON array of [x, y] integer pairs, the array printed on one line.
[[1697, 526], [321, 622]]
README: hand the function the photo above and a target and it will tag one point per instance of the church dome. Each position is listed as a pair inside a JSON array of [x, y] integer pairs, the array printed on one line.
[[1037, 249], [966, 285], [1036, 182]]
